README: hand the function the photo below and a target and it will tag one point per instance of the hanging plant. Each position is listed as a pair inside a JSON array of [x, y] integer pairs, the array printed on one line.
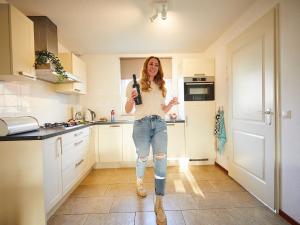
[[44, 56]]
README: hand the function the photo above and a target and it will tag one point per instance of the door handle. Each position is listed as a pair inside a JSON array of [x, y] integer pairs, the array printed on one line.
[[269, 113]]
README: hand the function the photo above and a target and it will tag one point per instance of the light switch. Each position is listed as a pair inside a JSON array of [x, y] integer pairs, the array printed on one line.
[[287, 114]]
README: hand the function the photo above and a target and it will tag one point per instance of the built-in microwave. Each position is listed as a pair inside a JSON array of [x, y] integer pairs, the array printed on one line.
[[200, 88]]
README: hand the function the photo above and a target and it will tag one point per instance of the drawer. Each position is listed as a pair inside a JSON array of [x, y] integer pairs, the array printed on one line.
[[74, 151], [73, 173], [75, 135]]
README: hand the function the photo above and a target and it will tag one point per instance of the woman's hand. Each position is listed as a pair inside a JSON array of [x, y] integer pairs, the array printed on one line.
[[174, 101], [166, 108], [130, 101], [133, 94]]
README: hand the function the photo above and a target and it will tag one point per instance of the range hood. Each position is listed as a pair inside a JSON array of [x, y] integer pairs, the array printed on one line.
[[45, 38]]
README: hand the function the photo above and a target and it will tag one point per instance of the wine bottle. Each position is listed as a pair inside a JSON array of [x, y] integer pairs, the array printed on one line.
[[138, 99]]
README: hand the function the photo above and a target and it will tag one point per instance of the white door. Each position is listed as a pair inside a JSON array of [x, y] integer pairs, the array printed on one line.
[[252, 103]]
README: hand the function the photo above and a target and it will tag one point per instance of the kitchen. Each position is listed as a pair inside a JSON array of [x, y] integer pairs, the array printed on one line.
[[39, 98]]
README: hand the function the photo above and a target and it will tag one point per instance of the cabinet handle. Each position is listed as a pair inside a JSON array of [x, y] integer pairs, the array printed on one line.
[[22, 73], [77, 164], [170, 124], [78, 143], [114, 126], [77, 134], [59, 139], [76, 89]]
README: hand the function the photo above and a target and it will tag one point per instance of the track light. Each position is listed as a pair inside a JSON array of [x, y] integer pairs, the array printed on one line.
[[164, 12], [159, 7], [154, 16]]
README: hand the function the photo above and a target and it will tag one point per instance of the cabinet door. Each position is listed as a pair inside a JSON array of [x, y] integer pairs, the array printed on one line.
[[52, 171], [200, 122], [176, 140], [110, 143], [22, 39], [93, 146], [193, 66], [129, 152]]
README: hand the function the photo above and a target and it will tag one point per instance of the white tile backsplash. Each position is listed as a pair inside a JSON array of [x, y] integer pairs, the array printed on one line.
[[37, 99]]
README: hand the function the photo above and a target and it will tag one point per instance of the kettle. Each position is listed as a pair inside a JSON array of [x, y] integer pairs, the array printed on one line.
[[90, 115]]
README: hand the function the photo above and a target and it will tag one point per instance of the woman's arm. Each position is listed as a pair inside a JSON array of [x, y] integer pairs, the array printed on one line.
[[130, 101], [166, 108]]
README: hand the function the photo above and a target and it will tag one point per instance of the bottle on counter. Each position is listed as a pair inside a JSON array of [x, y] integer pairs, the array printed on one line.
[[136, 85], [112, 115]]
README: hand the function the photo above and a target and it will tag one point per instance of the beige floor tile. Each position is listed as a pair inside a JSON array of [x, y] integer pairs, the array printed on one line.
[[217, 200], [257, 216], [132, 204], [90, 190], [67, 220], [105, 179], [148, 218], [127, 189], [110, 219], [179, 202], [205, 193], [86, 205], [226, 185], [208, 217], [188, 186]]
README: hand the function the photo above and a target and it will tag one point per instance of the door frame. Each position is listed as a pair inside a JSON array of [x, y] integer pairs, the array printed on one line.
[[277, 178]]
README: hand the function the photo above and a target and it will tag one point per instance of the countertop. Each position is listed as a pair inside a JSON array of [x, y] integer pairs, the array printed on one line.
[[44, 133]]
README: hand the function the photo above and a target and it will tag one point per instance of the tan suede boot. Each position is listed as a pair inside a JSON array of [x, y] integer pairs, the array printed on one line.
[[161, 218], [140, 190]]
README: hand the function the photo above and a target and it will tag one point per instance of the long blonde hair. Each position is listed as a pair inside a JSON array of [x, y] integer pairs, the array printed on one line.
[[158, 79]]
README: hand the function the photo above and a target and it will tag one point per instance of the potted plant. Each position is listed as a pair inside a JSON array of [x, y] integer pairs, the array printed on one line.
[[45, 57]]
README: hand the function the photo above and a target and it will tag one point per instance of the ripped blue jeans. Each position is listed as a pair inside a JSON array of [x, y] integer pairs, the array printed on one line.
[[151, 130]]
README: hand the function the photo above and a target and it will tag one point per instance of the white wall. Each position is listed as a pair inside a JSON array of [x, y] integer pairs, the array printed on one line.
[[290, 92], [104, 81], [35, 98], [290, 83]]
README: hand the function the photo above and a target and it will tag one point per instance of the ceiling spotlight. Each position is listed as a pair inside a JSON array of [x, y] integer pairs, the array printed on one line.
[[159, 7], [164, 12], [154, 16]]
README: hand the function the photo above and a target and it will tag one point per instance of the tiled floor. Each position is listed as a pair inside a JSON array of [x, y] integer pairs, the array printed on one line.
[[201, 195]]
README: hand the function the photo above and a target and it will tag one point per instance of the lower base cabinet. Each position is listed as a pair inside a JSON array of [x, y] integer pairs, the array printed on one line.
[[110, 143], [116, 144]]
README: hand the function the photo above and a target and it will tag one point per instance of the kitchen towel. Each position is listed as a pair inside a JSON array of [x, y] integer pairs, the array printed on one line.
[[220, 131]]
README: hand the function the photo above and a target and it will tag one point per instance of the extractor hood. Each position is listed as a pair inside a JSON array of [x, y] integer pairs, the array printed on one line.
[[45, 38]]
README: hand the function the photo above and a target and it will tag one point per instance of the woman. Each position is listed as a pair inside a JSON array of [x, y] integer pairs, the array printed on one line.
[[150, 129]]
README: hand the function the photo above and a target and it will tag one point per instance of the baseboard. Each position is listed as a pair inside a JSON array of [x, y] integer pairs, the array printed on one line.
[[221, 167], [288, 218]]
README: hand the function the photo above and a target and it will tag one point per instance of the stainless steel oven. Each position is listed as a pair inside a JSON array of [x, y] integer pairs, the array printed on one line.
[[199, 88]]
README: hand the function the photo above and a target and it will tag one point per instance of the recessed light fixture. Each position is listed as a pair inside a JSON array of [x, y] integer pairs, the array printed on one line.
[[161, 8]]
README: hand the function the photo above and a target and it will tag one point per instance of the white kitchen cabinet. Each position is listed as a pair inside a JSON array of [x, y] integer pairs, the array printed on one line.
[[75, 146], [176, 141], [200, 66], [110, 143], [200, 122], [93, 146], [17, 45], [77, 67], [52, 149], [129, 152]]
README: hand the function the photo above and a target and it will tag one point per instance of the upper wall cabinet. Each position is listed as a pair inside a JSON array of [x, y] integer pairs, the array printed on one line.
[[76, 66], [16, 45], [198, 66]]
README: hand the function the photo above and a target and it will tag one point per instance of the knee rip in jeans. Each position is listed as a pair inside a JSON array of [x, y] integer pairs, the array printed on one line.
[[143, 159], [160, 156]]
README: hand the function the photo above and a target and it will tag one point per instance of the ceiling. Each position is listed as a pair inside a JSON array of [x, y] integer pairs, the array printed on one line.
[[123, 26]]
